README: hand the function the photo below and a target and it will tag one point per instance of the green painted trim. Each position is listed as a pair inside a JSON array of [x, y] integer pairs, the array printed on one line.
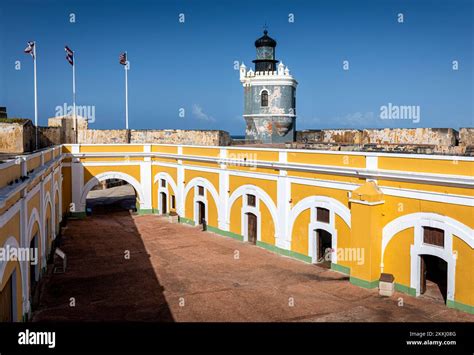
[[405, 289], [186, 221], [225, 233], [363, 283], [142, 211], [460, 306], [341, 268], [289, 253], [78, 215]]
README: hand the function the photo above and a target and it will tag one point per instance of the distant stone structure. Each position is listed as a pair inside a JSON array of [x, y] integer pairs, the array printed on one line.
[[18, 135], [407, 140]]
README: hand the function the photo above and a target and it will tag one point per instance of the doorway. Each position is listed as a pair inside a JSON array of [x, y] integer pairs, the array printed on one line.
[[6, 302], [251, 228], [33, 267], [324, 247], [163, 199], [201, 212], [433, 277]]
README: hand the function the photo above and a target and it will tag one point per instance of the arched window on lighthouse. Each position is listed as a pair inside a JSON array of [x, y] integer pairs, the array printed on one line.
[[264, 98]]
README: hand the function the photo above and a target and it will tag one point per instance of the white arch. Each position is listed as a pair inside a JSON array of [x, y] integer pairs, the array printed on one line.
[[417, 221], [426, 219], [312, 202], [333, 205], [111, 175], [11, 242], [57, 208], [262, 195], [210, 187], [169, 180], [47, 200], [34, 217]]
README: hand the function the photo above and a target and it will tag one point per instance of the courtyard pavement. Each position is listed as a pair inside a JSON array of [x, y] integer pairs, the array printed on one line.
[[124, 267]]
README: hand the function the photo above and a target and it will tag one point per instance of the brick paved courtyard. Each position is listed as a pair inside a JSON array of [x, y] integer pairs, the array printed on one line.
[[179, 273]]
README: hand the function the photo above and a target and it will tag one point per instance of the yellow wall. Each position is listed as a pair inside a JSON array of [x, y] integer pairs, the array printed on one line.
[[397, 256], [91, 171], [267, 225], [269, 186], [299, 236], [115, 148], [11, 229], [14, 266], [347, 160], [464, 282], [427, 165], [236, 216], [299, 192], [395, 207]]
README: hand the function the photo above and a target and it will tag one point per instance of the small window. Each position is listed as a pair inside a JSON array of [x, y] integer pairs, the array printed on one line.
[[251, 200], [322, 215], [173, 201], [200, 190], [264, 98], [163, 183], [433, 236]]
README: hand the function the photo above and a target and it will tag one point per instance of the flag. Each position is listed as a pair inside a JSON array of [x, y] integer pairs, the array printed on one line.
[[30, 49], [123, 58], [69, 55]]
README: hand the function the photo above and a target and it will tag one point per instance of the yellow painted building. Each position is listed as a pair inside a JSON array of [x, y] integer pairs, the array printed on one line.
[[363, 213]]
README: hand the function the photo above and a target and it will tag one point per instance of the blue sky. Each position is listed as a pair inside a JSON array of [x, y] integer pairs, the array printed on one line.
[[190, 65]]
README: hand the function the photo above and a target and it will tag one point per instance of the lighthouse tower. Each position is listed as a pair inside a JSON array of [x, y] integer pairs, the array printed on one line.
[[269, 96]]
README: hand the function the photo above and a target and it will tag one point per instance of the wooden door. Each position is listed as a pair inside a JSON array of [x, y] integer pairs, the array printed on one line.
[[423, 272], [252, 228], [6, 302], [320, 246], [202, 212], [163, 203]]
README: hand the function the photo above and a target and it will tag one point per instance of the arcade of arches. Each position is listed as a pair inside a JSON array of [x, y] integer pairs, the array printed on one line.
[[358, 213]]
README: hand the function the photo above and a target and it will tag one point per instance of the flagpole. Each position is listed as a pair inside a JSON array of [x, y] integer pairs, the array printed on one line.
[[74, 95], [126, 91], [36, 96]]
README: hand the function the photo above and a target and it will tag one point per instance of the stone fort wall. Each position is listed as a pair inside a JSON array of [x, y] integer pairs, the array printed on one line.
[[18, 136]]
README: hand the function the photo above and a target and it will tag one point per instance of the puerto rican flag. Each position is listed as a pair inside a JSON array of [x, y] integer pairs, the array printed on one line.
[[30, 49], [123, 58], [69, 55]]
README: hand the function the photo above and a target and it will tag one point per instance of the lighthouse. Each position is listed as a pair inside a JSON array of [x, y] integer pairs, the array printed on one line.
[[269, 96]]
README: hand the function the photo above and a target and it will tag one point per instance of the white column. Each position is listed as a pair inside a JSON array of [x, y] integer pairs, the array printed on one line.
[[283, 206], [77, 177], [42, 235], [24, 264], [146, 180], [180, 186], [60, 183], [223, 223]]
